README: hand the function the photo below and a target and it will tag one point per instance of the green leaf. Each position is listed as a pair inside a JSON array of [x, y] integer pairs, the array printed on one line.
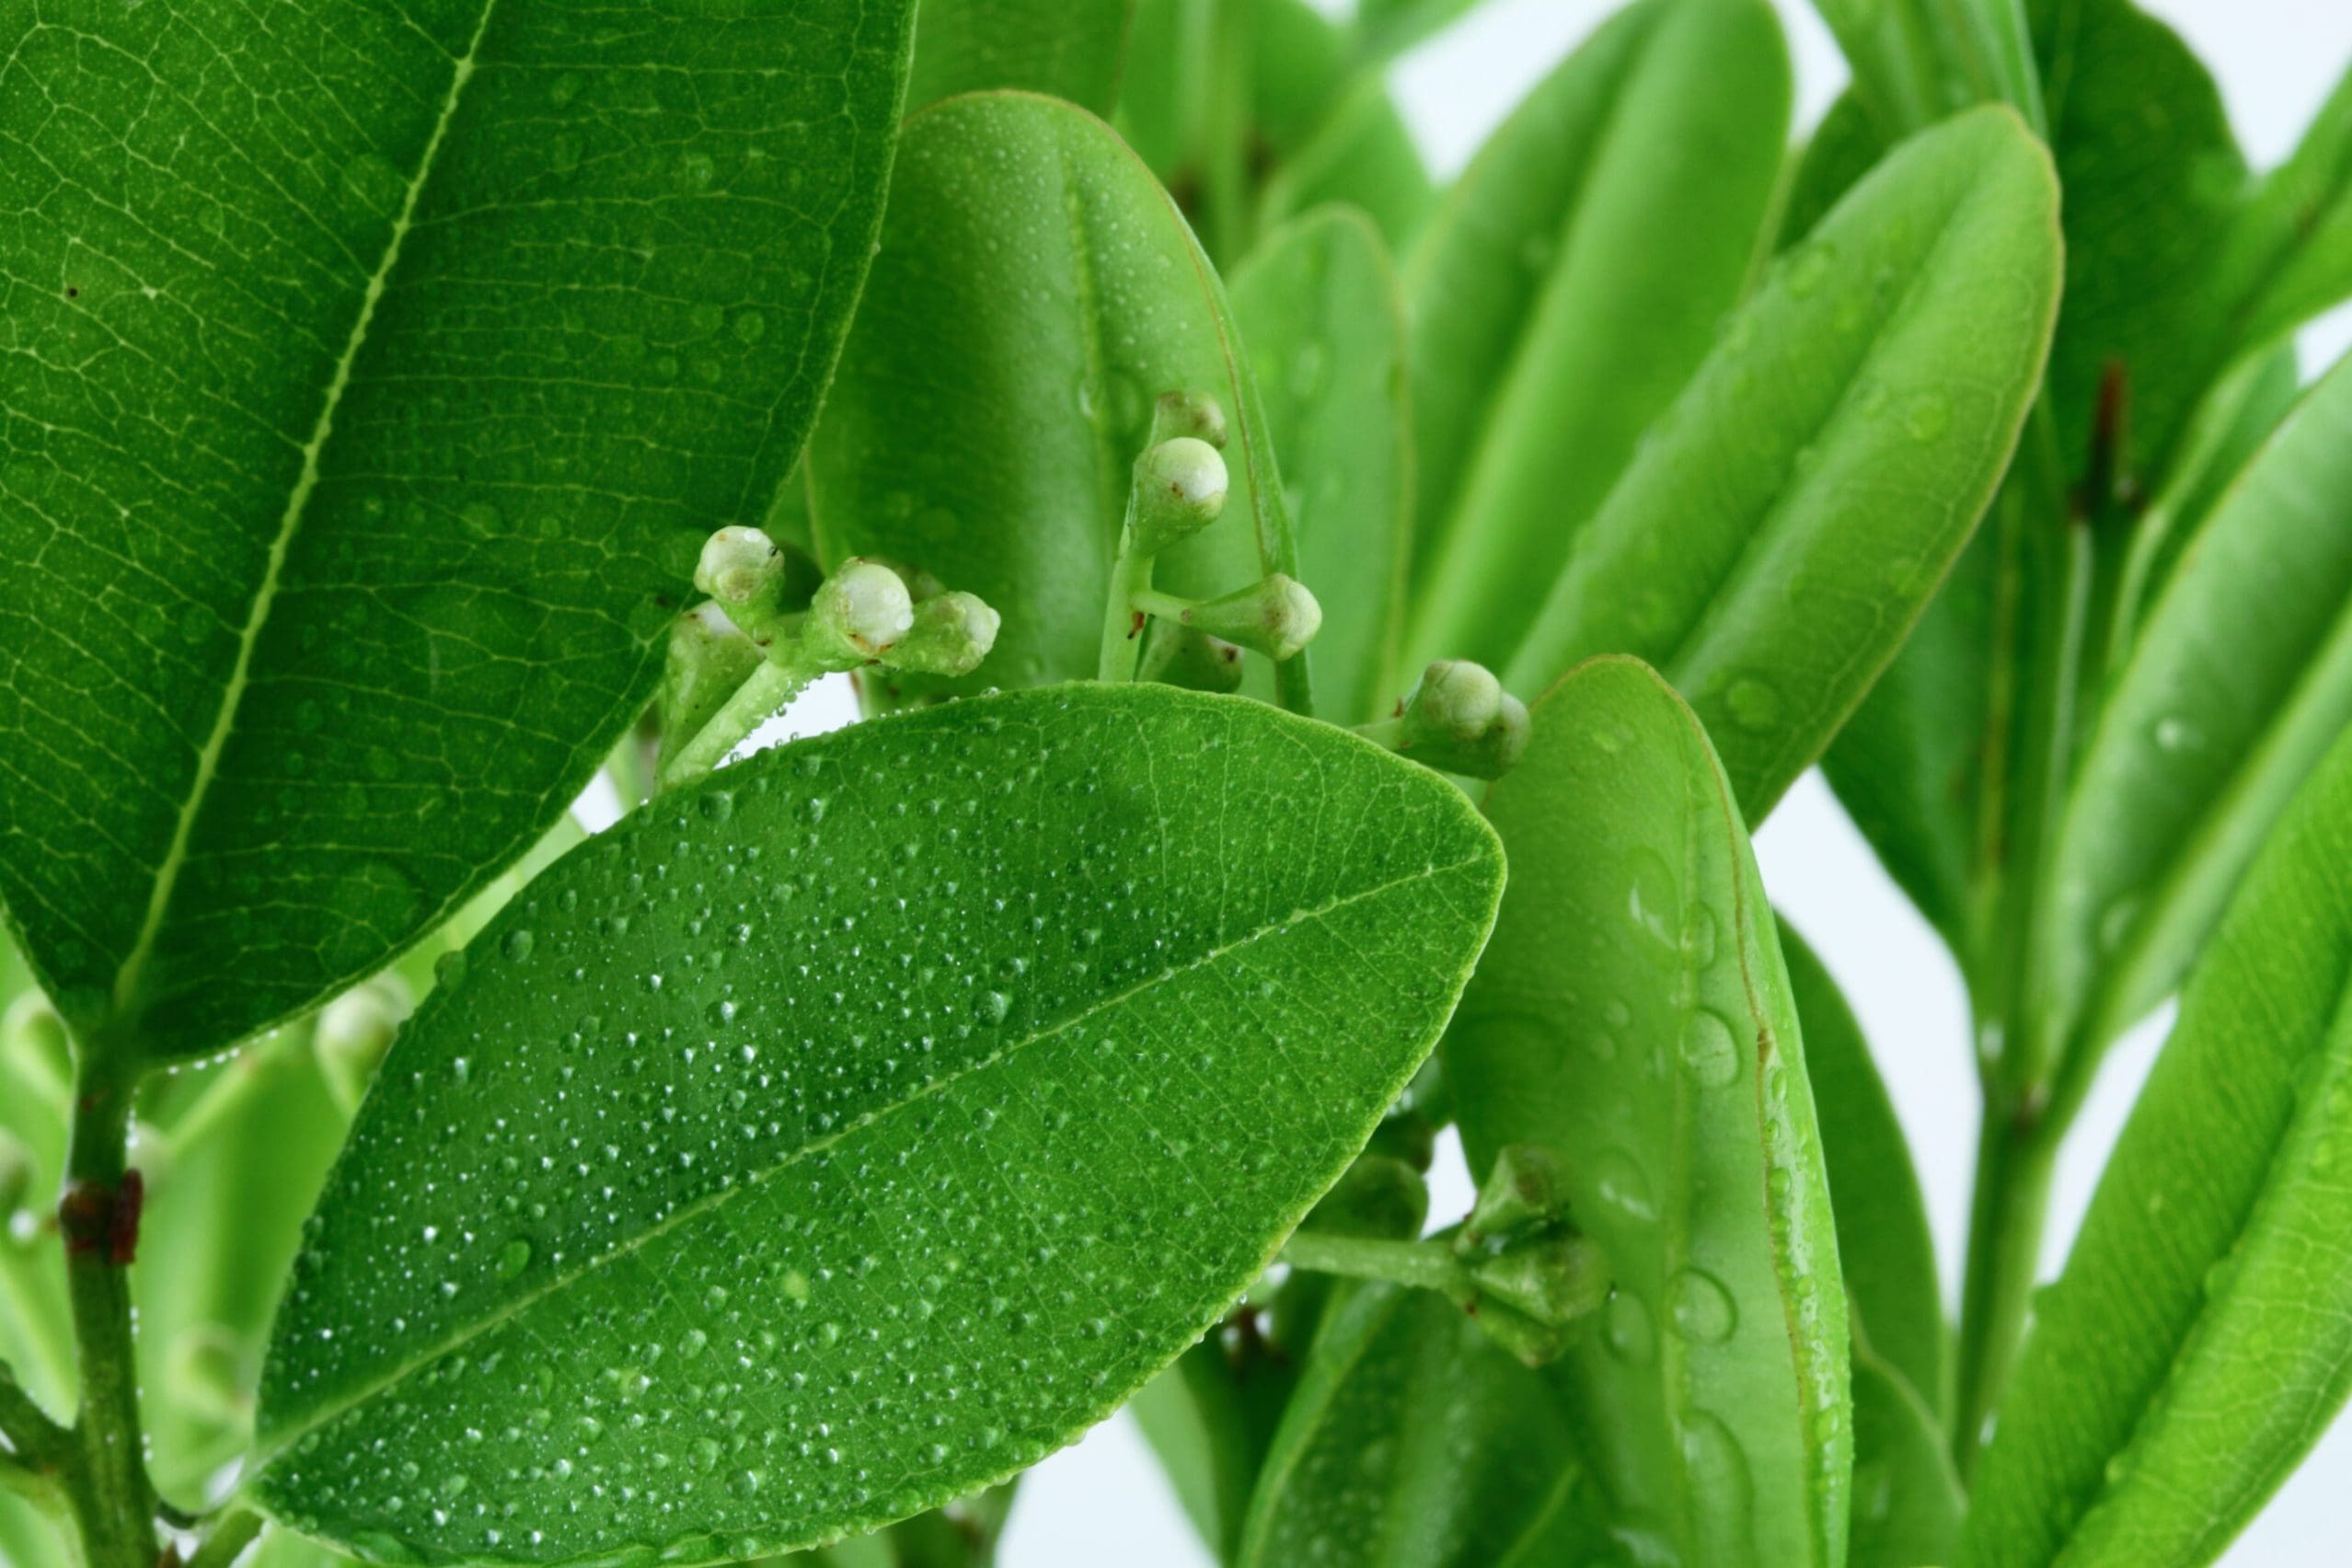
[[998, 455], [1318, 305], [1415, 1441], [30, 1538], [1209, 1420], [1907, 1499], [1362, 156], [1772, 543], [1633, 1016], [2290, 255], [1574, 280], [1070, 49], [374, 379], [1385, 28], [1884, 1247], [2198, 1343], [811, 1148], [36, 1101], [2239, 681], [1844, 146], [1895, 48], [2154, 183]]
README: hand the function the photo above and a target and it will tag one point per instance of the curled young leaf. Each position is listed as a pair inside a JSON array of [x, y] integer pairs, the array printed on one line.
[[813, 1148], [1772, 543], [1633, 1016], [2200, 1340]]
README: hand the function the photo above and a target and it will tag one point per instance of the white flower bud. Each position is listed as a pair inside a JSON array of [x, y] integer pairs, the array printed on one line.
[[1180, 489], [1188, 413], [862, 612], [738, 566], [953, 632]]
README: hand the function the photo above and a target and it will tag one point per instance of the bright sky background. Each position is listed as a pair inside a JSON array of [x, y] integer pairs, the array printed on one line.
[[1103, 1500]]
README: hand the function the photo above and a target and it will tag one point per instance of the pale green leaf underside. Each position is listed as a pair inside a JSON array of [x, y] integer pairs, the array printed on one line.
[[2200, 1339], [368, 375], [847, 1134], [1633, 1015]]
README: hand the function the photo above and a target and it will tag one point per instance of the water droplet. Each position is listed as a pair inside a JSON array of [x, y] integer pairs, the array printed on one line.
[[717, 805], [517, 943], [1650, 895], [1701, 1308], [992, 1006], [1927, 416], [1623, 1187], [1631, 1337], [514, 1258], [2174, 734], [1711, 1049], [1753, 705]]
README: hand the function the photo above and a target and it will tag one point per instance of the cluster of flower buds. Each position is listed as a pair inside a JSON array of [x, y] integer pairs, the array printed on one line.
[[1536, 1277], [868, 611], [1180, 488], [1458, 719]]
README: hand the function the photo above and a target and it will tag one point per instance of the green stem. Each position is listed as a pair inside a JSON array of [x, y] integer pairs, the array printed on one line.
[[767, 689], [1424, 1265], [105, 1471], [33, 1438], [2017, 1152], [1122, 636], [229, 1538]]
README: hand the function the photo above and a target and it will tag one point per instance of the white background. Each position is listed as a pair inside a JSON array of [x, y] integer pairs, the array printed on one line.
[[1104, 1500]]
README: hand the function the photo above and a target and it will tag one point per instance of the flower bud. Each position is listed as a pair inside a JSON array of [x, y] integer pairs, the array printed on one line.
[[1180, 656], [353, 1032], [738, 566], [1194, 414], [1376, 1196], [1180, 489], [921, 585], [1277, 617], [862, 612], [1554, 1278], [1458, 719], [953, 632], [1525, 1187]]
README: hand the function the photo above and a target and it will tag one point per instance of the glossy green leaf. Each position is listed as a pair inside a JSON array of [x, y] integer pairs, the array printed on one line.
[[810, 1149], [2291, 257], [374, 378], [1774, 540], [1893, 48], [1884, 1247], [1842, 149], [2240, 680], [1416, 1441], [1209, 1420], [1070, 49], [1907, 1499], [1318, 307], [998, 455], [1633, 1015], [2200, 1338], [1548, 337]]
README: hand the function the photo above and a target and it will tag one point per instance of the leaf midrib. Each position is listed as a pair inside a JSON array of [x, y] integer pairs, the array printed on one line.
[[268, 1448], [125, 998]]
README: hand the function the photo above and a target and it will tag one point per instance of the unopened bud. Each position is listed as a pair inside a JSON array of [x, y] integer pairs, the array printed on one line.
[[1195, 414], [862, 612], [953, 632], [1554, 1278], [738, 566], [1527, 1186], [1455, 700], [1277, 617], [40, 1052], [1180, 489], [1181, 656], [1377, 1197], [1458, 719], [353, 1032]]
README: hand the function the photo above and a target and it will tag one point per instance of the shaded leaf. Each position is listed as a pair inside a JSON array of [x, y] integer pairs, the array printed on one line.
[[1771, 545], [1318, 305], [1633, 1016], [2239, 681], [1363, 156], [2290, 255], [1548, 336], [841, 1118], [2200, 1340], [376, 378], [998, 455], [1070, 49], [1907, 1500], [1884, 1248], [1844, 146], [1416, 1441]]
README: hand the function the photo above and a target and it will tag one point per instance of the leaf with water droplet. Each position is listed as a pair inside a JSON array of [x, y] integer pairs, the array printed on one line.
[[1721, 559], [894, 1144], [382, 482], [2196, 1345], [1415, 1441], [1715, 1397], [1635, 178]]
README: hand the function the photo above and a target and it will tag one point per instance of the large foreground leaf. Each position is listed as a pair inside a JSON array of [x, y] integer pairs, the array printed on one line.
[[1633, 1016], [2200, 1339], [371, 377], [1571, 284], [845, 1133], [1416, 1441], [1319, 307], [999, 454], [1772, 543], [2238, 683]]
